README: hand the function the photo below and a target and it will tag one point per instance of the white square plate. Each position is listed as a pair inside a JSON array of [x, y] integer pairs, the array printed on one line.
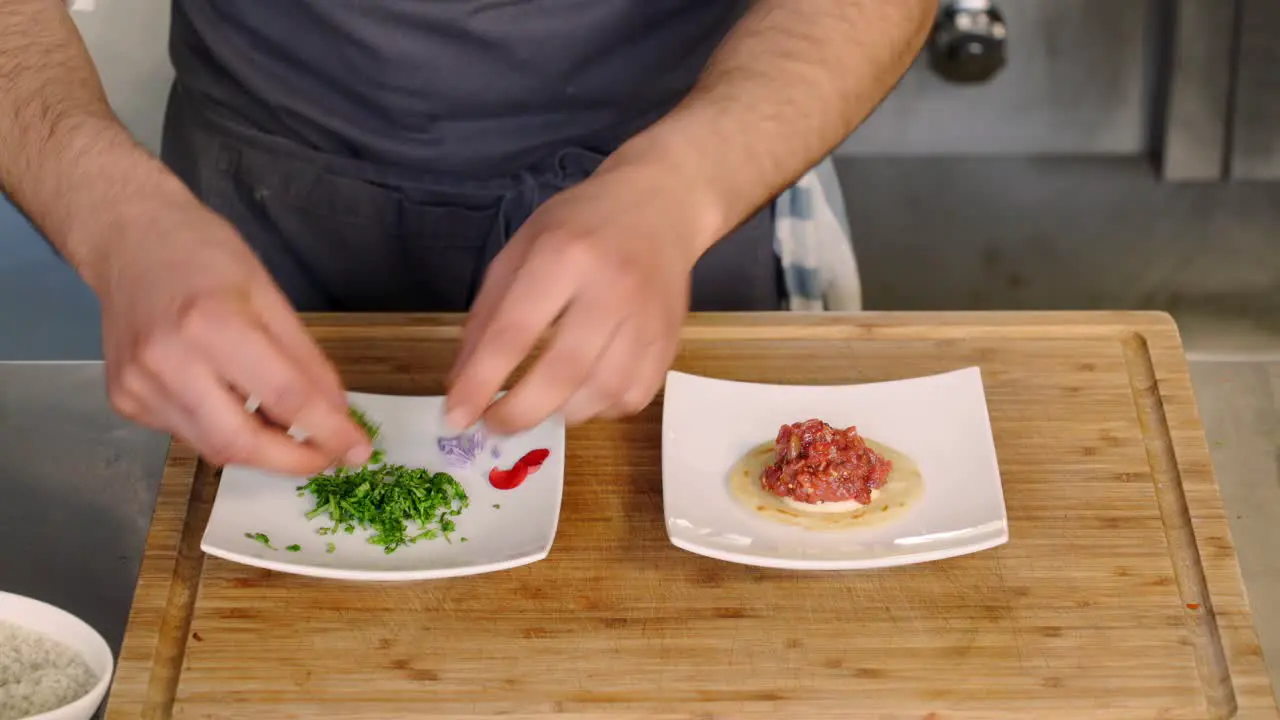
[[940, 422], [503, 528]]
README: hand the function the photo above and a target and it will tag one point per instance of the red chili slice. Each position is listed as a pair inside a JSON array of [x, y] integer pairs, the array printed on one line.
[[523, 468]]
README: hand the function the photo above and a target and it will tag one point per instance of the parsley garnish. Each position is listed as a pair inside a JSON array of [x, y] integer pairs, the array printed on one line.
[[386, 498], [372, 429]]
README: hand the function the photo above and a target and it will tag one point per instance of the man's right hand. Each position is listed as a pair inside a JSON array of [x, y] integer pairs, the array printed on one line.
[[193, 325]]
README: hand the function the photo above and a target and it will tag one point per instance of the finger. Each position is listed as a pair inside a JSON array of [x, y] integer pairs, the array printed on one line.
[[292, 337], [284, 325], [136, 395], [241, 353], [587, 328], [157, 409], [651, 373], [588, 402], [492, 289], [294, 404], [609, 378], [535, 297], [200, 407], [622, 382]]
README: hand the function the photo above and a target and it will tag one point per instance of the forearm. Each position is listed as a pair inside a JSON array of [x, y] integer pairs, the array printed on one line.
[[64, 157], [790, 82]]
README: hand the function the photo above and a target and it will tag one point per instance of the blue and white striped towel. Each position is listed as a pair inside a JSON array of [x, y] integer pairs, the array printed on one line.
[[813, 243]]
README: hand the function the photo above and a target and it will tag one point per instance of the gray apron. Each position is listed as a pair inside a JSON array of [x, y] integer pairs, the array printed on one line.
[[377, 154]]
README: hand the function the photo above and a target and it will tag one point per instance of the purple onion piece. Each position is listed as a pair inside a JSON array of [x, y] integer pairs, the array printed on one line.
[[461, 450]]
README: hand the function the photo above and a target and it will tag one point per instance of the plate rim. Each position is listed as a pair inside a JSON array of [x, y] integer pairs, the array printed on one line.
[[687, 376], [774, 563], [375, 575]]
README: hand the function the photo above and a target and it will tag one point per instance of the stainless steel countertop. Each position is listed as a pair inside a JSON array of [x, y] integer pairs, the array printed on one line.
[[77, 488]]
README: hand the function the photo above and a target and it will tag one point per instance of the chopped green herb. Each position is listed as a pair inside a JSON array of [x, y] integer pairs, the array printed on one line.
[[373, 430], [370, 428], [385, 498], [496, 506], [293, 548], [260, 537], [330, 547], [462, 540]]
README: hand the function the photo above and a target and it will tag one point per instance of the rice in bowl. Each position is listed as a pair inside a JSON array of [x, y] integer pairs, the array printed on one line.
[[38, 673]]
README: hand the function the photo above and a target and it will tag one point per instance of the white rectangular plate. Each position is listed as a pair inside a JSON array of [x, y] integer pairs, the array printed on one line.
[[939, 421], [519, 531]]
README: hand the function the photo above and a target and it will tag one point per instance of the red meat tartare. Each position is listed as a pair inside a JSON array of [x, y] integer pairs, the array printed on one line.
[[819, 465]]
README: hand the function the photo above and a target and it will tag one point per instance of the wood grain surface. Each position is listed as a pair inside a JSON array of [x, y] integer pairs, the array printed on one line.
[[1117, 596]]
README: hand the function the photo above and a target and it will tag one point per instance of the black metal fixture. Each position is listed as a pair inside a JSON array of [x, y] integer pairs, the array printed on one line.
[[968, 44]]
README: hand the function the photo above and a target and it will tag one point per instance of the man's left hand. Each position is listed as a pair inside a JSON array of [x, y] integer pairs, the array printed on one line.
[[608, 262]]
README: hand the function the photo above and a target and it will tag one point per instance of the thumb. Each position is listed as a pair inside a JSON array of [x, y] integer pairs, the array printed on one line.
[[285, 326]]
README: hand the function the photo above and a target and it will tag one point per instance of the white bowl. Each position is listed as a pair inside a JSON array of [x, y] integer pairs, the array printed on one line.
[[75, 634]]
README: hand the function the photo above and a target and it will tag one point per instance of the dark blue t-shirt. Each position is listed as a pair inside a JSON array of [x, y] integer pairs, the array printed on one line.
[[474, 88]]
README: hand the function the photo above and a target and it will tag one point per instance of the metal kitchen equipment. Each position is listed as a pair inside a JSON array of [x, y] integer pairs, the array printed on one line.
[[1192, 84]]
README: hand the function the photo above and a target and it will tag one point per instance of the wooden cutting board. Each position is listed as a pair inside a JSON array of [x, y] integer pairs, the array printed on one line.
[[1117, 596]]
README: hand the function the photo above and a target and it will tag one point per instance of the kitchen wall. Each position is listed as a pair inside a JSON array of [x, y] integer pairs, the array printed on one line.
[[45, 311], [129, 42], [1078, 80]]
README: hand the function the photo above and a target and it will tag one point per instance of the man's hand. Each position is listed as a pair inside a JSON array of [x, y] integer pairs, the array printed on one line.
[[194, 326], [611, 259]]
